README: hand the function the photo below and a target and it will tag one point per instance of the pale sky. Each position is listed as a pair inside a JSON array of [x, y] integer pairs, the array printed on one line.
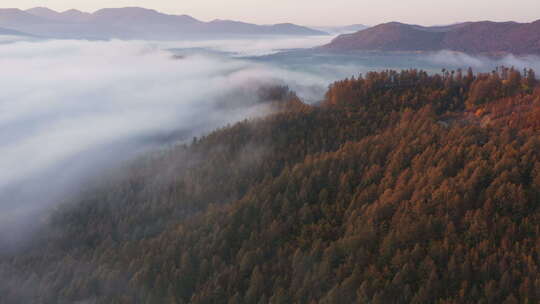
[[318, 12]]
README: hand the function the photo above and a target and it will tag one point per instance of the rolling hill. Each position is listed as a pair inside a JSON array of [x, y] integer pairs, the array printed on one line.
[[491, 38], [133, 23]]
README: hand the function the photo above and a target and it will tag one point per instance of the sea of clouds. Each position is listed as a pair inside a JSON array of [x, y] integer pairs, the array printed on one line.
[[70, 108]]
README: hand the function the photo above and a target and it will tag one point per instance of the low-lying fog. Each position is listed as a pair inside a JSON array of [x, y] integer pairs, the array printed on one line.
[[69, 109]]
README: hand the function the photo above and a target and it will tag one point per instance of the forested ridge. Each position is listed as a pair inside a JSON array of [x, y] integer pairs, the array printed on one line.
[[483, 37], [400, 187]]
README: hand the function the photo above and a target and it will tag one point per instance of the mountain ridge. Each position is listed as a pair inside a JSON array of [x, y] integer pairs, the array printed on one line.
[[71, 15], [132, 23], [483, 37]]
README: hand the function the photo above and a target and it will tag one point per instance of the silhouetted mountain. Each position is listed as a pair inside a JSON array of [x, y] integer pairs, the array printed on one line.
[[133, 23], [485, 37]]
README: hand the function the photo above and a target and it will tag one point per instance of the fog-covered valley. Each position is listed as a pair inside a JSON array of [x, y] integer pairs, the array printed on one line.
[[69, 109]]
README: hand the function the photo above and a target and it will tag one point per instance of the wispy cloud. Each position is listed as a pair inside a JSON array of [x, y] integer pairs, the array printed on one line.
[[69, 108], [452, 59], [253, 46]]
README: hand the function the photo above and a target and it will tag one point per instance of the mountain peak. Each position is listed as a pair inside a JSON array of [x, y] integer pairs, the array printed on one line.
[[41, 9], [394, 23], [139, 14], [71, 15], [74, 15], [74, 11], [127, 10], [44, 12]]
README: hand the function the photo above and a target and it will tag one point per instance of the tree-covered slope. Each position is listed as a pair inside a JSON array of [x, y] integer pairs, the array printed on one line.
[[398, 188]]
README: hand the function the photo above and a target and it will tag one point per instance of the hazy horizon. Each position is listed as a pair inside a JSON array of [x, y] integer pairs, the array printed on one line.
[[336, 13]]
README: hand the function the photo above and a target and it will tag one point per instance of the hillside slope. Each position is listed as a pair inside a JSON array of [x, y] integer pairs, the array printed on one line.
[[399, 188], [471, 37]]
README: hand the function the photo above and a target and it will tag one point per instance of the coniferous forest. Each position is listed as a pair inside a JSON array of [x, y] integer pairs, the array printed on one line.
[[399, 187]]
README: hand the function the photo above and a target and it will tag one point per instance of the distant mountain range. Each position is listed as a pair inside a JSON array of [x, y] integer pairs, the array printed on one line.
[[10, 32], [341, 29], [133, 23], [489, 38]]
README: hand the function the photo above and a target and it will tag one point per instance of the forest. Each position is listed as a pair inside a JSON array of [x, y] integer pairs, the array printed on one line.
[[399, 187]]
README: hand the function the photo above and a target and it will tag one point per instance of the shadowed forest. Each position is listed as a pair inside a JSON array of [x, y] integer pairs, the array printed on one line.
[[399, 187]]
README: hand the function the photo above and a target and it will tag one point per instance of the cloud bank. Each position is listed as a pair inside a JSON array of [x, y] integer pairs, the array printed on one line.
[[451, 59], [71, 108], [253, 46]]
